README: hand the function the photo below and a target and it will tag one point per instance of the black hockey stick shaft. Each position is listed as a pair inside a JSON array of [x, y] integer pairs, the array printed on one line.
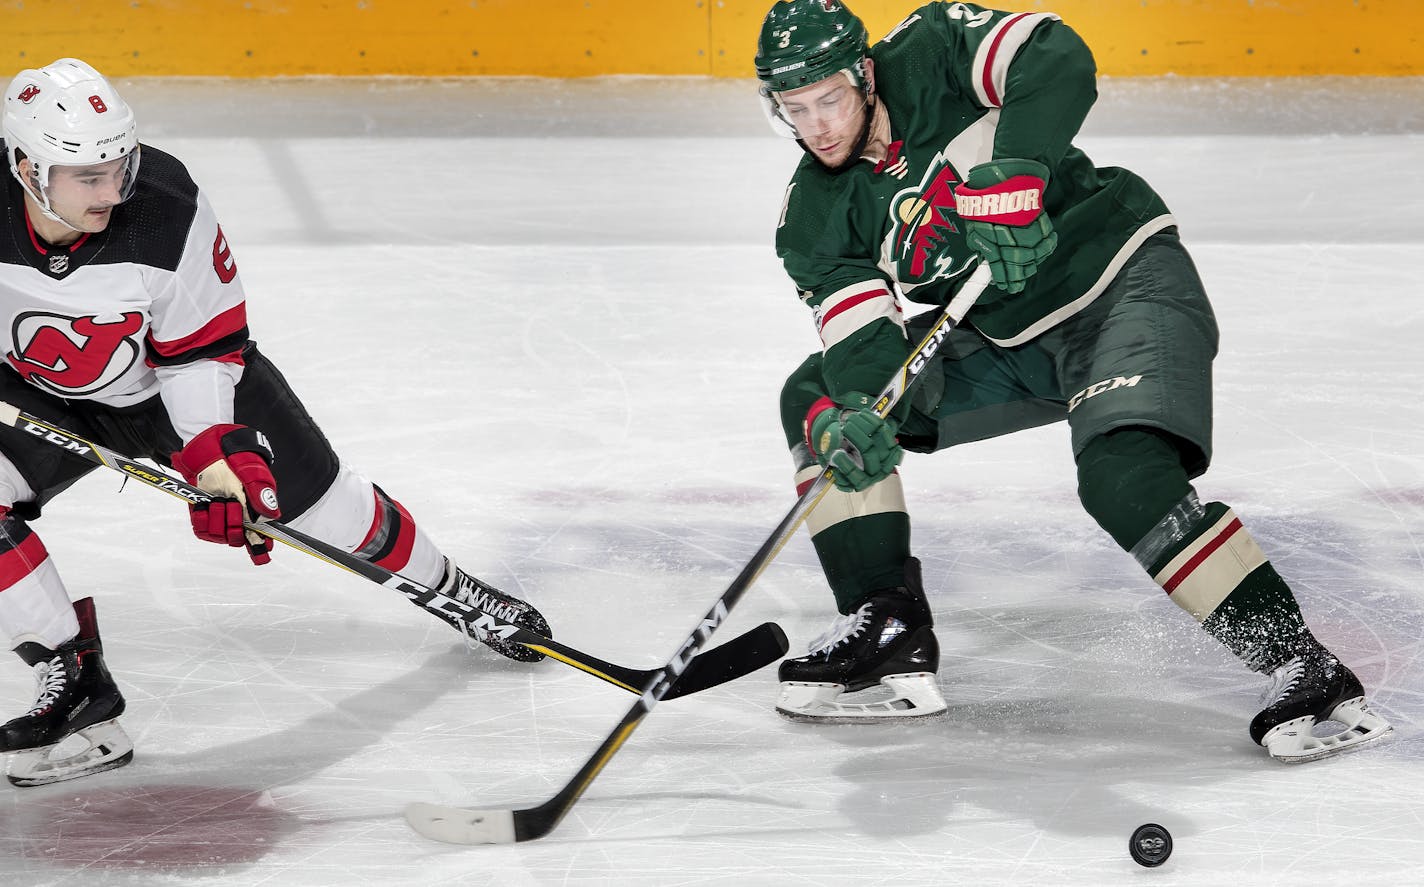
[[740, 656], [500, 826], [539, 821]]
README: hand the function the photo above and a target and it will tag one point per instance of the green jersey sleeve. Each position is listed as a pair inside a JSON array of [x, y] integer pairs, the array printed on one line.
[[827, 243]]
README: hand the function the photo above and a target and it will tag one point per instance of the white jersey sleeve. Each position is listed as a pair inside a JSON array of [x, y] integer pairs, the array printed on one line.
[[198, 328]]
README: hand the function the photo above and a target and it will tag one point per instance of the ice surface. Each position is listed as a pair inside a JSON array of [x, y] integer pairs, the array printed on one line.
[[546, 316]]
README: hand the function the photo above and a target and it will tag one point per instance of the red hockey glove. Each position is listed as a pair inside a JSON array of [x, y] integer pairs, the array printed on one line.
[[1001, 203], [231, 463]]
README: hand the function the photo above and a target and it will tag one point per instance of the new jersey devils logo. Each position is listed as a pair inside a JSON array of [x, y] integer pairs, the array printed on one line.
[[28, 94], [74, 356]]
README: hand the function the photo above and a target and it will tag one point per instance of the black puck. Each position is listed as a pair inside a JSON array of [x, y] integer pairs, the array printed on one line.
[[1150, 845]]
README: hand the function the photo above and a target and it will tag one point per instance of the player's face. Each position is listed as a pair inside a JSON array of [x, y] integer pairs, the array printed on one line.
[[85, 196], [828, 117]]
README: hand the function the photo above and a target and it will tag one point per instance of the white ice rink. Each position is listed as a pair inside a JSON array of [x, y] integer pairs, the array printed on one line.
[[548, 318]]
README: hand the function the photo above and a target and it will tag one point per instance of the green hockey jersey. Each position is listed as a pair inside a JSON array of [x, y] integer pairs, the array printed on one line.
[[962, 85]]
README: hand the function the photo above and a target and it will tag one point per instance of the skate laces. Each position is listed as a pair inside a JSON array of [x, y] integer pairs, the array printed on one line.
[[50, 678], [842, 629], [1283, 681], [467, 589]]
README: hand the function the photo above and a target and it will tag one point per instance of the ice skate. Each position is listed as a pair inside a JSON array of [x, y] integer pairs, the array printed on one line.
[[876, 664], [72, 730], [503, 607], [1309, 690]]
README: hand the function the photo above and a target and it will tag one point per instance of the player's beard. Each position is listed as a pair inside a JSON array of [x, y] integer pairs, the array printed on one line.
[[856, 149]]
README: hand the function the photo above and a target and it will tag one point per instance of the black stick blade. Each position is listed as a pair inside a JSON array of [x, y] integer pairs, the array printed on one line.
[[737, 658]]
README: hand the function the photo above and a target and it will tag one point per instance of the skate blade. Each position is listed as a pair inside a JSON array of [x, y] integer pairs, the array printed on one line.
[[900, 697], [1295, 742], [103, 746]]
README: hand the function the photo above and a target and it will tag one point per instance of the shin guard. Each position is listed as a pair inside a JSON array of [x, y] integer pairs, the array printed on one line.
[[1211, 567]]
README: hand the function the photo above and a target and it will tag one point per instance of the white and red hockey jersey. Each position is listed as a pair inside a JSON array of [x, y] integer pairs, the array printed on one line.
[[152, 305]]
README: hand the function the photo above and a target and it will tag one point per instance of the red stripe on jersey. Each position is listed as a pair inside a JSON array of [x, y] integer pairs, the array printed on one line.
[[851, 302], [225, 324], [405, 542], [802, 487], [993, 96], [35, 240], [1181, 575], [21, 561]]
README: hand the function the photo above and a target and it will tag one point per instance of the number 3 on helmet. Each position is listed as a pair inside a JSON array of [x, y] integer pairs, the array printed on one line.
[[803, 42]]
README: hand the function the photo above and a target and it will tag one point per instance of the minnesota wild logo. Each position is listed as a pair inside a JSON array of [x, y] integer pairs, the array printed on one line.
[[924, 236]]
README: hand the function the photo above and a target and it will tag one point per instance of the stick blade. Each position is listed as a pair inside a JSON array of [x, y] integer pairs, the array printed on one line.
[[455, 825], [737, 658]]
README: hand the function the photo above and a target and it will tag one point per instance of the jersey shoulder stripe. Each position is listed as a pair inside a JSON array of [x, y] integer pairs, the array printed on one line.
[[996, 52]]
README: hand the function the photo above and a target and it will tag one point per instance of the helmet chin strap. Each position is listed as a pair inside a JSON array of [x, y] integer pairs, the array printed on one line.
[[51, 214], [42, 200], [860, 141]]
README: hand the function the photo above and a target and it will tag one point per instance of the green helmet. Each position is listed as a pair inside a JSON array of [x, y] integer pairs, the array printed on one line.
[[805, 41]]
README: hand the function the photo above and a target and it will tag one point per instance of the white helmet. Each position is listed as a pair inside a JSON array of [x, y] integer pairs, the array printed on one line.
[[67, 114]]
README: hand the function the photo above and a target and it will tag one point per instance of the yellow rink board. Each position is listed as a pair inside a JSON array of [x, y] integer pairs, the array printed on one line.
[[578, 38]]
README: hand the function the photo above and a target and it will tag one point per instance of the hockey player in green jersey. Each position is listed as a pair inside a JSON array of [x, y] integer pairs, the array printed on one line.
[[946, 145]]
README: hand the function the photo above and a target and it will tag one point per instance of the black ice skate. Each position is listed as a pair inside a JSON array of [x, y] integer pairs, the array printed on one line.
[[886, 648], [72, 730], [503, 610], [1314, 688]]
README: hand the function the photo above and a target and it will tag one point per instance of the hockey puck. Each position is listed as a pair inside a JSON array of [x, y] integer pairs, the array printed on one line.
[[1150, 845]]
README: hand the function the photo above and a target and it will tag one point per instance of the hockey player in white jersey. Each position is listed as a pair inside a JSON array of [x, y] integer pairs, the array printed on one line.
[[122, 316]]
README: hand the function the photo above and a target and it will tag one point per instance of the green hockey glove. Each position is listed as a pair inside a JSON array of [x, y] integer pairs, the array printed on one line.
[[858, 446], [1001, 203]]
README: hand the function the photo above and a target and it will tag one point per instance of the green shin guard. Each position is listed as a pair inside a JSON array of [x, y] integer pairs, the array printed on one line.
[[864, 554], [1258, 619], [1261, 622], [1132, 482], [1127, 479]]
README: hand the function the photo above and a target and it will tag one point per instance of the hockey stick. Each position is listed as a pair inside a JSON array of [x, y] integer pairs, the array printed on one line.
[[456, 825], [742, 655]]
